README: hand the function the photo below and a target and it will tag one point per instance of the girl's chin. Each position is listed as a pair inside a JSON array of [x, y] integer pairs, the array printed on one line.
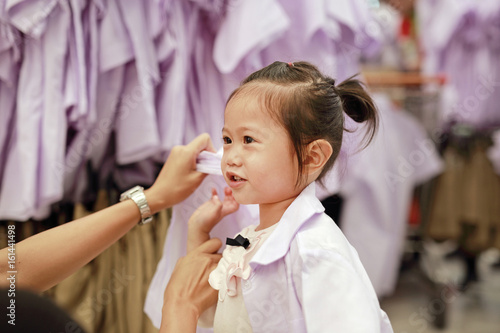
[[242, 200], [246, 202]]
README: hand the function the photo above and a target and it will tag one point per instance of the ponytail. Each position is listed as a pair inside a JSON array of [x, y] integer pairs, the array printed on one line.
[[358, 105]]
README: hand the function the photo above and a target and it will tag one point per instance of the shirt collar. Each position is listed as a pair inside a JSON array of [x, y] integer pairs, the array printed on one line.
[[296, 215]]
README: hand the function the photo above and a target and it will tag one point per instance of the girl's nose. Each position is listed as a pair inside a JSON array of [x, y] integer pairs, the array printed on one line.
[[232, 157]]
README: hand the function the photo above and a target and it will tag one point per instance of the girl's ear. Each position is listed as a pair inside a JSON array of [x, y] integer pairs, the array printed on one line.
[[318, 153]]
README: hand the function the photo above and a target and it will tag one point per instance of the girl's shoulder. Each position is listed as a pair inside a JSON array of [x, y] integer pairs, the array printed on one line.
[[320, 226], [321, 246], [321, 233]]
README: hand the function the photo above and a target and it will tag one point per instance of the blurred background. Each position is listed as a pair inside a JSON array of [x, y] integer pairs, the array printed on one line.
[[95, 93]]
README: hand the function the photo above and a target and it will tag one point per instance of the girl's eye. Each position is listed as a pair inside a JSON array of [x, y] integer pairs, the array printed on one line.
[[226, 140], [248, 139]]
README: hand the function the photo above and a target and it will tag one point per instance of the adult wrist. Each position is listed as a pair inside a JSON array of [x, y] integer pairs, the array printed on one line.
[[156, 201], [176, 310]]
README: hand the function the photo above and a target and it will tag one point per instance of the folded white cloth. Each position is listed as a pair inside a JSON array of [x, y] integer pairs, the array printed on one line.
[[208, 162]]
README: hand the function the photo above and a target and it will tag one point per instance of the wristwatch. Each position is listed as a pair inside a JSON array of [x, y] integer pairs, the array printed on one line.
[[137, 195]]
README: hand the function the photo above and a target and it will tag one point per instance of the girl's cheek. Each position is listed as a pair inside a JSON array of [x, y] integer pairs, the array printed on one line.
[[223, 162]]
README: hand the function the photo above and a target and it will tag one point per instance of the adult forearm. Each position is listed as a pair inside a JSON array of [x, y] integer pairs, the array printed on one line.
[[45, 259], [49, 257]]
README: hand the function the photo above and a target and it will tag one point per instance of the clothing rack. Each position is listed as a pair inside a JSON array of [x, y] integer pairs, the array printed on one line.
[[381, 79]]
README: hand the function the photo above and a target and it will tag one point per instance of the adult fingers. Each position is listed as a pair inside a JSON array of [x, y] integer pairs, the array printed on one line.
[[215, 257], [210, 246], [202, 142]]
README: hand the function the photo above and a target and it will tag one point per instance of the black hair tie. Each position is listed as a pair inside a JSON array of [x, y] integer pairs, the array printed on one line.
[[238, 241]]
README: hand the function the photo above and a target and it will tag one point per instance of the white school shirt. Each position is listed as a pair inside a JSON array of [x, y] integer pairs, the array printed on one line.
[[231, 314], [306, 277]]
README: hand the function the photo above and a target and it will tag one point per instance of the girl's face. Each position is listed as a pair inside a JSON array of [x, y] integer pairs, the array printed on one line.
[[258, 163]]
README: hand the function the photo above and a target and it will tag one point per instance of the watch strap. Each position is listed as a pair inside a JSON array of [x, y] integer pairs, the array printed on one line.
[[137, 195]]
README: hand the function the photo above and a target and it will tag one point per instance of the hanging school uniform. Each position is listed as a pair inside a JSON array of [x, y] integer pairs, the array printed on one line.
[[206, 114], [318, 32], [437, 33], [119, 99], [173, 49], [247, 29], [307, 38], [137, 113], [354, 37], [9, 71], [464, 47], [7, 98], [490, 18], [79, 111], [114, 52], [82, 73], [136, 128], [33, 173], [110, 51]]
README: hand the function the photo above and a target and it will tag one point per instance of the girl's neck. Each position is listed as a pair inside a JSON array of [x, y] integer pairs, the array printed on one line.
[[271, 213]]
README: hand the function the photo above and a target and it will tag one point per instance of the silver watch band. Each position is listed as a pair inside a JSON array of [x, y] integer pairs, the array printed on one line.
[[137, 195]]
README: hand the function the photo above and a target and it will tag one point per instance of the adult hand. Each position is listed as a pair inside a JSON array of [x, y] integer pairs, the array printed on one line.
[[204, 219], [188, 292], [178, 177]]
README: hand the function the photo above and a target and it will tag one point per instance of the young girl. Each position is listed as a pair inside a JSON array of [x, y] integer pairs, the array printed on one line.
[[295, 271]]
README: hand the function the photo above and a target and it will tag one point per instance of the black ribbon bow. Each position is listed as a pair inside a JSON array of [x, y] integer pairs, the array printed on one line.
[[238, 241]]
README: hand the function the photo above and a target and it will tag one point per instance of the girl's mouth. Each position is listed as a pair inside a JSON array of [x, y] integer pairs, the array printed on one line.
[[235, 181]]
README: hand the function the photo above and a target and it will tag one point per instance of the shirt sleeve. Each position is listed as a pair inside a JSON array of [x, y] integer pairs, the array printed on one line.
[[335, 296]]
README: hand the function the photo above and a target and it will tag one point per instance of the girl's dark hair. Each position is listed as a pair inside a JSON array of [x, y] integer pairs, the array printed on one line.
[[310, 106]]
